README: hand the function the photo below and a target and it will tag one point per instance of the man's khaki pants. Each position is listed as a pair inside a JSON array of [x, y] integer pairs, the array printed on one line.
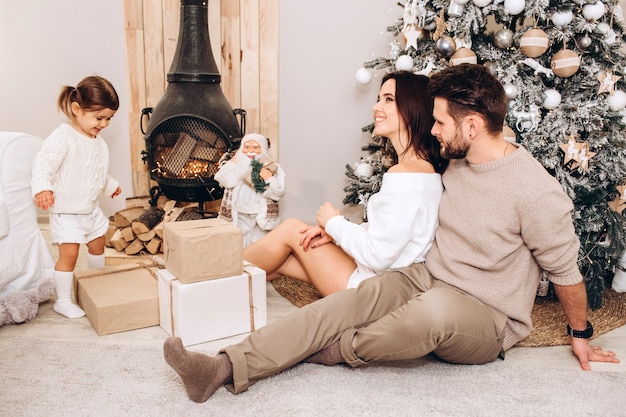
[[400, 314]]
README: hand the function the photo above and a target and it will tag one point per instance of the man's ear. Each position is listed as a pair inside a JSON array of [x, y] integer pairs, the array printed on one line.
[[475, 124]]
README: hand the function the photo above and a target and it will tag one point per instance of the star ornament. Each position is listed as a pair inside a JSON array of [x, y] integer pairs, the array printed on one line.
[[412, 35], [607, 82], [578, 152], [619, 204], [571, 149]]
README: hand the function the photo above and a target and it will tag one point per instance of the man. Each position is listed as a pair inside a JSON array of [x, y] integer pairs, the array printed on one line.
[[503, 221]]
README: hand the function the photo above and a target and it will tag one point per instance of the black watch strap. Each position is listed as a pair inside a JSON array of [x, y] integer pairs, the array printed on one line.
[[581, 334]]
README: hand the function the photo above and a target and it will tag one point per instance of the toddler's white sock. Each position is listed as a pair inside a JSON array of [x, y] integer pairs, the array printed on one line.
[[95, 261], [64, 305]]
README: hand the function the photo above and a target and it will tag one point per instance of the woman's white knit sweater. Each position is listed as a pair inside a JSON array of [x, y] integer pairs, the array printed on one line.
[[75, 168], [402, 218]]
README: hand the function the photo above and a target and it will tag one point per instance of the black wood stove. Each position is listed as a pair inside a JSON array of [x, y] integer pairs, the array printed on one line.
[[193, 125]]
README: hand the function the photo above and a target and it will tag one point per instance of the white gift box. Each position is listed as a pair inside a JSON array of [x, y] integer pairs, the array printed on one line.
[[203, 311]]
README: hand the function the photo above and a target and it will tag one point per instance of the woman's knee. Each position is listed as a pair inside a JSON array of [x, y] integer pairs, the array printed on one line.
[[292, 223]]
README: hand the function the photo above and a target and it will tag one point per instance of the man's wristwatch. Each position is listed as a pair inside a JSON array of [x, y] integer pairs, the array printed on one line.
[[581, 334]]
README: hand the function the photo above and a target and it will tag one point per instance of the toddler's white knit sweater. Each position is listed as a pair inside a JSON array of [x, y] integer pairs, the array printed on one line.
[[75, 168]]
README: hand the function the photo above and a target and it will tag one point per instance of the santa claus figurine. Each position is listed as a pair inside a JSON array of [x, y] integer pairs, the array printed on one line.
[[253, 184]]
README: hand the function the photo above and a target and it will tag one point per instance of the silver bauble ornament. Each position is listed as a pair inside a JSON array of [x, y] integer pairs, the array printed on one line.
[[503, 38], [583, 42], [445, 46]]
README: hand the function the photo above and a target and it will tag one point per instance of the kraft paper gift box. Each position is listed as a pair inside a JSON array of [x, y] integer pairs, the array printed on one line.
[[119, 298], [203, 311], [199, 250]]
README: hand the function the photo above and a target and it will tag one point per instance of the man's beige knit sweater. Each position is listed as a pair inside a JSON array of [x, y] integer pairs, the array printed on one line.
[[501, 224]]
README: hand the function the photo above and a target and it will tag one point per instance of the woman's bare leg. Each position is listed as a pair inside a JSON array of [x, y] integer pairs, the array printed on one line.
[[279, 252]]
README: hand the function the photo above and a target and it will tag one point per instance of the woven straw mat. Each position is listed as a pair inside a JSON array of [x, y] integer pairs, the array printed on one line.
[[547, 316]]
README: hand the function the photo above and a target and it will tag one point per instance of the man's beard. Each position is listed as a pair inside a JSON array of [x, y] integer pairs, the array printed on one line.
[[456, 148]]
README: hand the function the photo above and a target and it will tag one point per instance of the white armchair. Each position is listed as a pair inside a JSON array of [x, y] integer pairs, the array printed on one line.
[[26, 265]]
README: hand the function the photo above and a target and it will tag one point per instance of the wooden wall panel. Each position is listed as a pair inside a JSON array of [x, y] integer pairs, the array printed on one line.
[[249, 80], [244, 40], [268, 72], [231, 52], [137, 92]]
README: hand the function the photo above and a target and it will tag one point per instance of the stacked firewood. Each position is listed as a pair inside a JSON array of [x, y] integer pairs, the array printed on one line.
[[139, 227]]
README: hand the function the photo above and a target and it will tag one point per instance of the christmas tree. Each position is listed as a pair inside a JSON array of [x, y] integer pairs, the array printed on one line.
[[562, 64]]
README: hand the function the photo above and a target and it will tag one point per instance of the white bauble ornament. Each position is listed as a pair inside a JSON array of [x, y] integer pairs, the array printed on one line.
[[509, 134], [463, 56], [617, 100], [445, 46], [455, 9], [534, 42], [364, 76], [603, 28], [593, 12], [503, 38], [364, 170], [552, 100], [481, 3], [404, 63], [514, 7], [510, 90], [565, 63], [619, 279], [562, 18]]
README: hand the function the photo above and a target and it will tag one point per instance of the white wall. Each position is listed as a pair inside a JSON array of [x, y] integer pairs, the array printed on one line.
[[46, 44], [322, 108]]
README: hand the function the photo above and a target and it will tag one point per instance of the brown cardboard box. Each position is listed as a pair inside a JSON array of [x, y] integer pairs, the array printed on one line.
[[200, 250], [119, 298]]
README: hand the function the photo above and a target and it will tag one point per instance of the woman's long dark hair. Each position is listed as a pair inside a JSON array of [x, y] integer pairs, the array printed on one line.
[[415, 106]]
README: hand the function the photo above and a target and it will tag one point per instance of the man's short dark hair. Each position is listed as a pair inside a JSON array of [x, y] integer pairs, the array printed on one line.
[[471, 88]]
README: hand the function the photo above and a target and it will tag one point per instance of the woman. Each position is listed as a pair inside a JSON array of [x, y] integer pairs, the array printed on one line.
[[402, 216]]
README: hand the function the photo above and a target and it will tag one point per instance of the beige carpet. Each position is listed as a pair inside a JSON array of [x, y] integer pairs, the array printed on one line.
[[547, 315], [53, 366], [86, 378]]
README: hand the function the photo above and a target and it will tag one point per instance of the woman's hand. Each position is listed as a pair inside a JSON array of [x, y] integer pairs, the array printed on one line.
[[311, 232], [326, 212], [44, 200], [117, 192]]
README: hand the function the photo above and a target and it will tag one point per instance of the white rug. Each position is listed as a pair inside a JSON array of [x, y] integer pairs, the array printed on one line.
[[86, 378], [53, 366]]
